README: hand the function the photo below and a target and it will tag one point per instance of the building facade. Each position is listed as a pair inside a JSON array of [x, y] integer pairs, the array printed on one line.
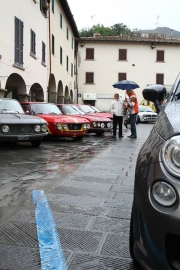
[[38, 51], [102, 61]]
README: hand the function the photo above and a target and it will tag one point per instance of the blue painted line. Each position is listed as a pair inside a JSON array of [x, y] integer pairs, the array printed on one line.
[[52, 257]]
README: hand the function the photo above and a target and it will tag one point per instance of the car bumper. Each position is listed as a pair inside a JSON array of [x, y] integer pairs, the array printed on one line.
[[22, 137], [156, 228]]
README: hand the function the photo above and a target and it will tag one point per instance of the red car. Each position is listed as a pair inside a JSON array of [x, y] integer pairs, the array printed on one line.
[[58, 124], [98, 124], [92, 110]]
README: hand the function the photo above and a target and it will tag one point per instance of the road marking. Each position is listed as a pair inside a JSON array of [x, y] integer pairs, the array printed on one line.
[[52, 257]]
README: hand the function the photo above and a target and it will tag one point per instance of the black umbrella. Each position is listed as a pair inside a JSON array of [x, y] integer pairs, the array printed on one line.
[[125, 84]]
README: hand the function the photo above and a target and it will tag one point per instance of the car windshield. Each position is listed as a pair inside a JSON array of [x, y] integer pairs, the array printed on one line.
[[79, 110], [10, 106], [45, 108], [87, 109], [70, 110], [95, 109], [145, 109]]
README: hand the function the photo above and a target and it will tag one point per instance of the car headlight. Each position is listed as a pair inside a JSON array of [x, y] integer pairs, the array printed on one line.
[[98, 124], [65, 126], [163, 193], [102, 125], [84, 126], [5, 128], [59, 126], [170, 154], [37, 128], [44, 128], [88, 126], [94, 124], [108, 125]]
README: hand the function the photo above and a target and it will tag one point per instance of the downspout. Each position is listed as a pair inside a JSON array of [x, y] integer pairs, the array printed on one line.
[[49, 33]]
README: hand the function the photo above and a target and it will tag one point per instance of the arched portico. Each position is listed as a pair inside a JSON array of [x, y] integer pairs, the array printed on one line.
[[71, 96], [60, 96], [66, 96], [16, 88], [52, 94], [36, 92]]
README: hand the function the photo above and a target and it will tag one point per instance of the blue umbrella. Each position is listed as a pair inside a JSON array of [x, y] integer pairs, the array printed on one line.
[[125, 84]]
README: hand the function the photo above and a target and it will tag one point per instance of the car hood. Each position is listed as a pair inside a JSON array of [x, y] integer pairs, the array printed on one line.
[[168, 121], [107, 115], [147, 113], [92, 118], [63, 118], [18, 118]]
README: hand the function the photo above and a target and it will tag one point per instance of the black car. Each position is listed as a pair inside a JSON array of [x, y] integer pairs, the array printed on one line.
[[155, 220], [16, 126]]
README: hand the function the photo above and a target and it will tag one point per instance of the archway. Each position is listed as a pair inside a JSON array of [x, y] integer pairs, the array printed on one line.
[[36, 92], [16, 88], [66, 96], [52, 94], [60, 97]]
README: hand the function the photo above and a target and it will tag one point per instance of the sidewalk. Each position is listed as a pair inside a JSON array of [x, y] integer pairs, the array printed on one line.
[[91, 209]]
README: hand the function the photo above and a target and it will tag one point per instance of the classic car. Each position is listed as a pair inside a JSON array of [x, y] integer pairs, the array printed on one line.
[[16, 126], [92, 110], [155, 219], [146, 114], [58, 124], [98, 124]]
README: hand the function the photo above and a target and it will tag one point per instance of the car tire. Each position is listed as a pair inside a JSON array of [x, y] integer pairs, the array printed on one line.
[[131, 238], [99, 133], [36, 143], [78, 138]]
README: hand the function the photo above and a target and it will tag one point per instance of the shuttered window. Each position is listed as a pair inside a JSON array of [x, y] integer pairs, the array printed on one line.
[[52, 5], [160, 56], [53, 44], [121, 76], [33, 42], [18, 59], [90, 53], [44, 7], [160, 78], [61, 55], [61, 22], [67, 63], [71, 70], [89, 77], [43, 53], [122, 54]]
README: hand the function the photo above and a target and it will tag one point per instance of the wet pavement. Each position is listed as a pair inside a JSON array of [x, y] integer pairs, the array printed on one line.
[[89, 187]]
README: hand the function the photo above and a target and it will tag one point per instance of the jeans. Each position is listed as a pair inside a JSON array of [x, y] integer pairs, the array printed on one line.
[[117, 120], [133, 124]]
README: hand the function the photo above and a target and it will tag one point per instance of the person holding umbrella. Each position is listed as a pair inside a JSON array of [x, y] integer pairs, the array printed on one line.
[[131, 104], [117, 111]]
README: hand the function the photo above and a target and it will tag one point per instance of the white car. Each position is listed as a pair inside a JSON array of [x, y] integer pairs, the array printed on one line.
[[146, 114]]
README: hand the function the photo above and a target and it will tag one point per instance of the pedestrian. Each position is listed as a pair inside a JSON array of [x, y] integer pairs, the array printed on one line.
[[131, 104], [117, 111]]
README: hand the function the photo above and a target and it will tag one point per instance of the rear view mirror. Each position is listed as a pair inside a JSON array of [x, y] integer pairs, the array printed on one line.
[[155, 93]]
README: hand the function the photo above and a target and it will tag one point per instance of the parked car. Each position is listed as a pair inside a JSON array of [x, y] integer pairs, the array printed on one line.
[[98, 124], [146, 114], [15, 126], [149, 104], [58, 124], [92, 110], [155, 219]]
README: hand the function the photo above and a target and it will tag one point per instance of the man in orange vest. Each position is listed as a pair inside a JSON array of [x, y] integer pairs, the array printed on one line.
[[131, 104]]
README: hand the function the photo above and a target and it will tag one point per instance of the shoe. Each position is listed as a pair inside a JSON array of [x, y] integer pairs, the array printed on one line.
[[121, 136], [129, 136], [113, 136], [132, 137]]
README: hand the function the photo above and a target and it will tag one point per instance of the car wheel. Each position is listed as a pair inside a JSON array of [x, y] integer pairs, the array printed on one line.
[[138, 119], [36, 143], [78, 138], [131, 238]]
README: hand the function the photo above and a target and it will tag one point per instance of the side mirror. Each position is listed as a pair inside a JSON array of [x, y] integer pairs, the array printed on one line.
[[155, 93]]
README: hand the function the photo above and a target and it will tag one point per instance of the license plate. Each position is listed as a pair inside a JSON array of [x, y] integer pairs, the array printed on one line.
[[23, 137]]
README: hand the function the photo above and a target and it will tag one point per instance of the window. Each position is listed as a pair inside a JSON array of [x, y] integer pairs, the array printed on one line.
[[72, 44], [61, 55], [71, 70], [53, 44], [44, 7], [61, 23], [52, 6], [160, 56], [89, 77], [67, 33], [18, 42], [33, 43], [159, 78], [67, 63], [121, 76], [122, 54], [43, 53], [89, 53]]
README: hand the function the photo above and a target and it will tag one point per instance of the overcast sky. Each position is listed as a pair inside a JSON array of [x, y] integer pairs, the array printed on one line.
[[141, 14]]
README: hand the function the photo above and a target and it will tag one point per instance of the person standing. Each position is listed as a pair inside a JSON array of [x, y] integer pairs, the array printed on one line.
[[131, 104], [117, 111]]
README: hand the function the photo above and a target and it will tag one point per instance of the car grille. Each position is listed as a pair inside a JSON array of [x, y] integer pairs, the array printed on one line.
[[172, 243], [74, 126], [150, 117], [19, 129]]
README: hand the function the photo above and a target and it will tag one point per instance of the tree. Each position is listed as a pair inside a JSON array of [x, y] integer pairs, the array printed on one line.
[[114, 30]]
